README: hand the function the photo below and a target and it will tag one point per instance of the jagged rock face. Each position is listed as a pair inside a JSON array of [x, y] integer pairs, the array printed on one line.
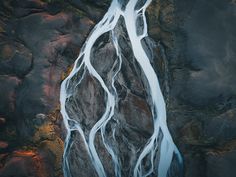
[[194, 59]]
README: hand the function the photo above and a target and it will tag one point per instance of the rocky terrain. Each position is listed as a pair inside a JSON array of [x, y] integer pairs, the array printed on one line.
[[194, 58]]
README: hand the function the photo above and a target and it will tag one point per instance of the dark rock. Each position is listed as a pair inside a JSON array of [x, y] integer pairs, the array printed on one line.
[[194, 58], [39, 40], [222, 127], [3, 145], [16, 60], [7, 94], [82, 166], [209, 53], [91, 8], [24, 163], [2, 120], [39, 95], [92, 99], [39, 119], [221, 164], [195, 166], [142, 118], [202, 85]]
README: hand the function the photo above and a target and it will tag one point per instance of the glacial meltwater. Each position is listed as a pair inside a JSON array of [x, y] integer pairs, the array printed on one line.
[[123, 27]]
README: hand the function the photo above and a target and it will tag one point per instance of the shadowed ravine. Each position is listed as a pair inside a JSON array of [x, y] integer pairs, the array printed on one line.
[[123, 25]]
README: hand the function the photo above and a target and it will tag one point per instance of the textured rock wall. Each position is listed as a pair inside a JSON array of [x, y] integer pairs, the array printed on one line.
[[39, 41], [202, 86]]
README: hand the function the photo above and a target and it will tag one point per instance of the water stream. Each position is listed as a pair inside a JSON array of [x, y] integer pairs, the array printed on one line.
[[160, 144]]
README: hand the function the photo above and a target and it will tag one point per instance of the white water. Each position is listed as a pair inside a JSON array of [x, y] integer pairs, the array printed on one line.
[[167, 147]]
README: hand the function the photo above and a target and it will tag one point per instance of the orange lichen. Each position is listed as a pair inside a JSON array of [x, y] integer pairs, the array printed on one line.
[[55, 114], [37, 161], [49, 141], [68, 71], [46, 131]]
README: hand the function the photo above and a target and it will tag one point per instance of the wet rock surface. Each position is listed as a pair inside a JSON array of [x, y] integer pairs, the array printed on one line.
[[194, 56]]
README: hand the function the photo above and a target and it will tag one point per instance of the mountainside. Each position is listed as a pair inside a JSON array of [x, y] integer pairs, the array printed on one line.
[[194, 58]]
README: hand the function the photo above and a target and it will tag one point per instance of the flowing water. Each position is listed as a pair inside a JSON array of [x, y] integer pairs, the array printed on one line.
[[159, 149]]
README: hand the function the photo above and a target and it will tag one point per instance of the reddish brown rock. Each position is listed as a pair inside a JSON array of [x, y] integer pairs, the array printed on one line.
[[3, 145], [23, 163]]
